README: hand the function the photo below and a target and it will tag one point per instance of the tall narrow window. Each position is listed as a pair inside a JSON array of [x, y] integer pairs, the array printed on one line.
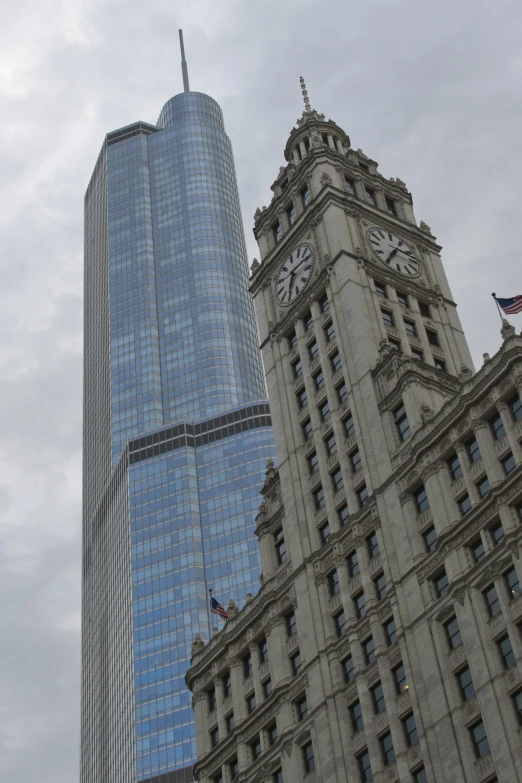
[[280, 546], [377, 694], [421, 500], [356, 716], [349, 184], [497, 426], [473, 450], [410, 729], [277, 231], [401, 422], [390, 205], [290, 213], [465, 681], [515, 406], [479, 739], [369, 195], [453, 633], [388, 753], [305, 196]]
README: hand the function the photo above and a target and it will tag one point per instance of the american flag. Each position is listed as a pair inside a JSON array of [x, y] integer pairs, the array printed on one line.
[[510, 306], [216, 608]]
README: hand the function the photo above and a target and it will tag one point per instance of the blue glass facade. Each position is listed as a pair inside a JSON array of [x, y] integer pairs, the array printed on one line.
[[177, 432]]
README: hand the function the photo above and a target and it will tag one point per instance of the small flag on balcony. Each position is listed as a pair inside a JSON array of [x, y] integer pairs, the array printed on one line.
[[216, 608], [510, 306]]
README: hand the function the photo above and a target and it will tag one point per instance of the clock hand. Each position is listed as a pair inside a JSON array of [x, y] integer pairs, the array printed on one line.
[[393, 253]]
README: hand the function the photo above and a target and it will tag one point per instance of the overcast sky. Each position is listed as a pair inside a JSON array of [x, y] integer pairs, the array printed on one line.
[[431, 90]]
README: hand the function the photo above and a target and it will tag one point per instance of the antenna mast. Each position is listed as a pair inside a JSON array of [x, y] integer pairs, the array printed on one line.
[[184, 68]]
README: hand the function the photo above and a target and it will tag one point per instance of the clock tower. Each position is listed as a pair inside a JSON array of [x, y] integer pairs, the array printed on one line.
[[385, 642]]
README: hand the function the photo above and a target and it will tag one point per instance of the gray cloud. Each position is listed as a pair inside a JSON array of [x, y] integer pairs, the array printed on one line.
[[431, 90]]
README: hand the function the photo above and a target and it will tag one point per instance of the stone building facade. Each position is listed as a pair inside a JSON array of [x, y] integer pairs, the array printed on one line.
[[386, 641]]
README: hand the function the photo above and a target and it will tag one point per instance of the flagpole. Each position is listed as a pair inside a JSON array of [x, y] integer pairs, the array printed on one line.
[[502, 316]]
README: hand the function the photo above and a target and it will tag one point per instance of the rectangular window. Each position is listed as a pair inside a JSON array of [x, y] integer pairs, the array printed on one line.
[[401, 422], [365, 767], [399, 676], [372, 544], [362, 496], [302, 708], [313, 463], [377, 694], [340, 623], [247, 666], [505, 649], [395, 344], [329, 333], [297, 369], [430, 538], [387, 317], [343, 514], [302, 399], [483, 486], [217, 779], [214, 737], [292, 340], [390, 205], [335, 361], [272, 734], [308, 757], [280, 546], [333, 583], [491, 599], [233, 768], [277, 232], [349, 426], [453, 633], [342, 392], [308, 322], [348, 669], [439, 364], [420, 776], [349, 185], [324, 304], [387, 751], [515, 406], [508, 463], [295, 662], [390, 632], [267, 688], [319, 498], [424, 310], [290, 214], [324, 532], [356, 716], [410, 730], [464, 503], [369, 195], [227, 685], [497, 426], [255, 749], [479, 739], [417, 355], [212, 701], [291, 625], [305, 196], [337, 480], [251, 702], [380, 586], [353, 563], [477, 550], [331, 445], [359, 603], [380, 289], [368, 647], [433, 337], [497, 533], [313, 350], [229, 722], [465, 681], [402, 299], [421, 500], [263, 651], [517, 706], [512, 583], [410, 328], [454, 467], [473, 449], [319, 380], [441, 584], [308, 429], [356, 460]]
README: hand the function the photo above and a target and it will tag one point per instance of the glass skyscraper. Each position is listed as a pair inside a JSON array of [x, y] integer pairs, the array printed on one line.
[[177, 432]]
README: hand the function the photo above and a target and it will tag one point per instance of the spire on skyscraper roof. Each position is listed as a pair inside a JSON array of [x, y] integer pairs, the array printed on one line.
[[308, 108], [184, 68]]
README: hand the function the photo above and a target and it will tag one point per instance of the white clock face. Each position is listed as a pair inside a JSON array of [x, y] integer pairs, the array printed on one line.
[[394, 252], [294, 274]]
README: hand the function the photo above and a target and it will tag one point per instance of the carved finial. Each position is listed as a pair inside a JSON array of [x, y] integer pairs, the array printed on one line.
[[306, 100], [197, 645], [424, 227], [486, 357], [507, 330], [232, 608], [255, 266]]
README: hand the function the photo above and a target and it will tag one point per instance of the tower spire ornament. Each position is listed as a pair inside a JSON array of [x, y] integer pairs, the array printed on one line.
[[184, 68], [306, 99]]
